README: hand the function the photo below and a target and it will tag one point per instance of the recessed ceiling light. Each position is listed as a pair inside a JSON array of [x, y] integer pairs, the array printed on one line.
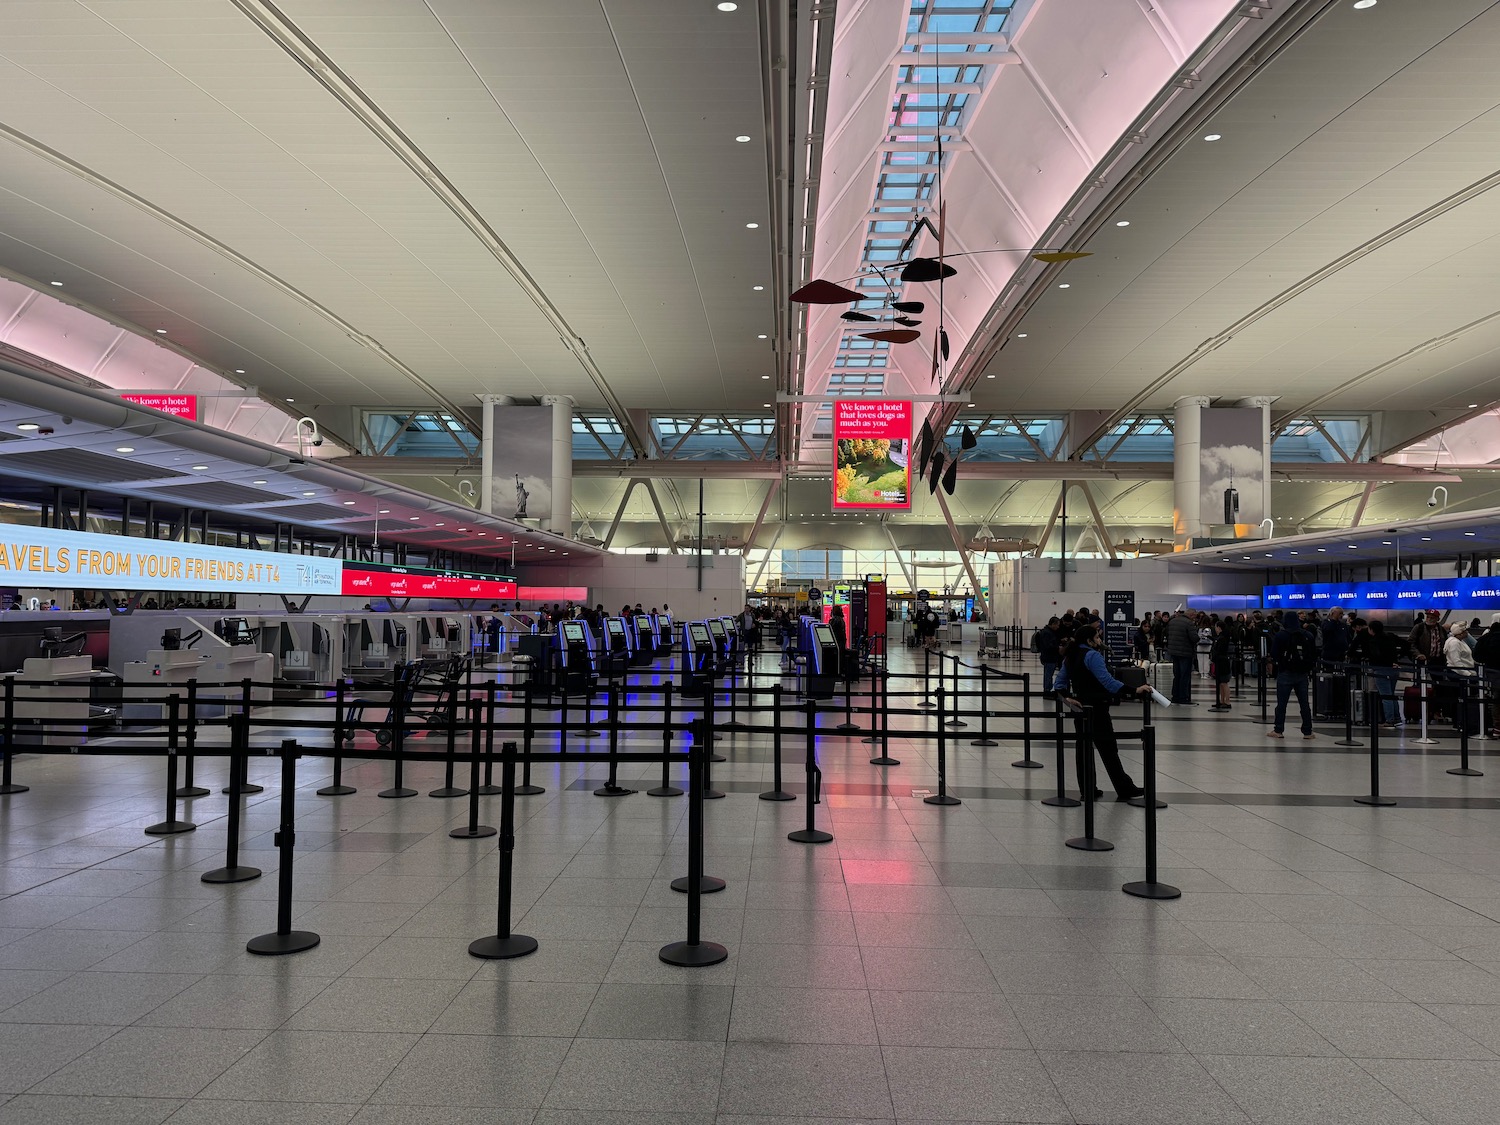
[[1123, 223], [765, 376], [757, 288], [56, 283], [124, 449], [161, 331], [463, 529], [1471, 534], [1246, 557], [200, 468], [1426, 539], [309, 494], [1268, 554], [28, 426], [348, 503], [239, 370], [765, 404], [752, 226], [1022, 335], [742, 138], [1214, 137], [483, 534], [1473, 406], [414, 519], [762, 336], [1361, 5], [257, 482], [383, 512], [1353, 546], [1291, 552], [1064, 285], [727, 6], [989, 376], [1322, 550], [971, 404], [439, 524]]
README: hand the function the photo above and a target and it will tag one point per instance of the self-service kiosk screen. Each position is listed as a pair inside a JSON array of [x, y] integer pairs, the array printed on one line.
[[615, 626], [572, 631], [823, 635], [716, 627], [642, 624], [699, 634]]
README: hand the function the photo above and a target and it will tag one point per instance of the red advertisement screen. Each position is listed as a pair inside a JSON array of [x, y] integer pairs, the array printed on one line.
[[368, 580], [177, 405], [871, 449]]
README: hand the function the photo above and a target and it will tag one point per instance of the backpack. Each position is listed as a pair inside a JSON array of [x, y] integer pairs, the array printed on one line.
[[1296, 660], [1036, 641]]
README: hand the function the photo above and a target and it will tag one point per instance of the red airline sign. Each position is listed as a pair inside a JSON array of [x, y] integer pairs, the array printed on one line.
[[179, 406], [362, 580]]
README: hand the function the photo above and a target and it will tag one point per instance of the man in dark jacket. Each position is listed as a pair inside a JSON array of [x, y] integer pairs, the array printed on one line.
[[1048, 643], [1182, 647], [1293, 658], [1336, 637]]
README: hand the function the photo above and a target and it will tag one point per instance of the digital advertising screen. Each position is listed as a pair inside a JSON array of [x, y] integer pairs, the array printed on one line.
[[871, 454], [378, 580]]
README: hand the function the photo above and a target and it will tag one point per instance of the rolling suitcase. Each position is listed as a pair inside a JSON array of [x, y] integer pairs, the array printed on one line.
[[1411, 704], [1330, 695]]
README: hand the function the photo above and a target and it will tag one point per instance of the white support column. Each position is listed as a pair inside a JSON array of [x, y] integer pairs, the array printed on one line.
[[487, 451], [1263, 404], [562, 463], [1187, 430]]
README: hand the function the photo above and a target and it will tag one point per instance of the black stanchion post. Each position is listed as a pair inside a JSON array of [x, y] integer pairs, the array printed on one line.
[[171, 826], [285, 939], [1062, 800], [848, 724], [188, 789], [1150, 887], [1088, 842], [450, 757], [474, 830], [874, 736], [1463, 769], [810, 833], [776, 792], [942, 797], [398, 744], [232, 871], [502, 944], [694, 952], [984, 738], [927, 704], [956, 696], [1374, 798], [666, 788], [1026, 762], [707, 884], [884, 757], [338, 788], [525, 788], [612, 787], [7, 786], [241, 783]]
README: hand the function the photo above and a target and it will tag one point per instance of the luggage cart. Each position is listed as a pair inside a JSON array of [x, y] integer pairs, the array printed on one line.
[[989, 642]]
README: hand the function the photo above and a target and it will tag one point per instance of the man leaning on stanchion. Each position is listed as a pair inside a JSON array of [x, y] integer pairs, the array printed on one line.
[[1085, 682]]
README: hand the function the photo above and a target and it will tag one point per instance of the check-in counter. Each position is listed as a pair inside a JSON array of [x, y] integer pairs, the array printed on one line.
[[52, 699], [219, 670]]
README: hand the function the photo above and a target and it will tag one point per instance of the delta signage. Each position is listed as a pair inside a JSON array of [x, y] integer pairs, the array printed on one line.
[[177, 405], [1418, 594], [376, 580], [49, 558]]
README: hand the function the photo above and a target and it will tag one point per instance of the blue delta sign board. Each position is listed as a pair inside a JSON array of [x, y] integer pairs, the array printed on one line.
[[1425, 593]]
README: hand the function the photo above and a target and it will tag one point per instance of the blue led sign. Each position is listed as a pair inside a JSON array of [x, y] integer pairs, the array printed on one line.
[[1442, 593]]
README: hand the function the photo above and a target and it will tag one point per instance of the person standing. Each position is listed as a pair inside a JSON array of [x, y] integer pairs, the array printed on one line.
[[1048, 651], [1335, 637], [1084, 678], [1383, 650], [1293, 659], [1221, 661], [1182, 647]]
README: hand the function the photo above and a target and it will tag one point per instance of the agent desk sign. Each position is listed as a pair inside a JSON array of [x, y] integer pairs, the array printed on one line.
[[49, 557]]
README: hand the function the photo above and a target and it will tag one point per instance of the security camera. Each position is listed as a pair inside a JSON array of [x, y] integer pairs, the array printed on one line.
[[1432, 501], [317, 439]]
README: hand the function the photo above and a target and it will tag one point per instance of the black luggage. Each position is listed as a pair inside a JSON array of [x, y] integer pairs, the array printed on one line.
[[1330, 695]]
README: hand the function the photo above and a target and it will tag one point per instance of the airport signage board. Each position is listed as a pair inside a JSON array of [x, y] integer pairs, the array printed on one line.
[[177, 405], [871, 454], [378, 580], [1417, 594], [71, 560]]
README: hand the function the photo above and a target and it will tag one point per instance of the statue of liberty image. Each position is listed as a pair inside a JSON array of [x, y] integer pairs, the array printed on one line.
[[522, 495]]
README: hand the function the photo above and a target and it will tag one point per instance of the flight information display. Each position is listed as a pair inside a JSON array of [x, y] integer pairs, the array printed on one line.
[[1420, 593]]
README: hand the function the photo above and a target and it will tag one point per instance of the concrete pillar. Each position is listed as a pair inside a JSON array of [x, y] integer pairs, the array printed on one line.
[[1187, 429], [487, 451], [562, 463], [1263, 404]]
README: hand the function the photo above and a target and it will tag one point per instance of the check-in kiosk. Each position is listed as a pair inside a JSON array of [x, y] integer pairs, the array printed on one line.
[[618, 649], [54, 692], [575, 656], [644, 637], [732, 635], [699, 658], [720, 637], [822, 662], [218, 666]]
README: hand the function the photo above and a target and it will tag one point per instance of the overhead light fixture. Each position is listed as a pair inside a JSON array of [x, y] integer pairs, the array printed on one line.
[[463, 529], [1214, 137], [200, 468], [28, 426], [1123, 223], [239, 370], [291, 400], [309, 494], [1361, 5], [1426, 539], [727, 6], [1022, 335], [1473, 406], [414, 519], [257, 482], [439, 524], [1471, 534], [383, 512], [348, 503], [124, 449], [757, 288], [765, 404], [752, 226], [1064, 285], [1291, 552], [765, 376], [762, 336], [56, 283], [1322, 550], [161, 331], [1353, 546], [989, 376]]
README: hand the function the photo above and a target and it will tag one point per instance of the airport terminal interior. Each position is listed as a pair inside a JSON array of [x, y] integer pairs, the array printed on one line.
[[680, 562]]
